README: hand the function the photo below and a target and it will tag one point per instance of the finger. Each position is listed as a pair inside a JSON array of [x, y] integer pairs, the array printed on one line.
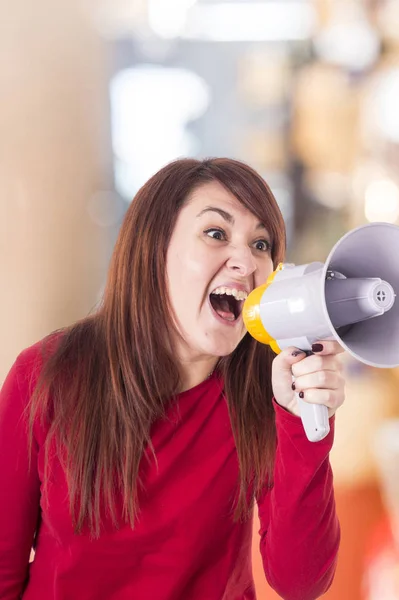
[[316, 362], [325, 347], [320, 380], [331, 398], [287, 358]]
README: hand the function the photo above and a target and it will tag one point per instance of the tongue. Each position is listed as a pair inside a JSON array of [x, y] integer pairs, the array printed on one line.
[[224, 311], [228, 316]]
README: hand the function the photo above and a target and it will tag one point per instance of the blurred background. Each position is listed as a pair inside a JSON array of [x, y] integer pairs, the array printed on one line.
[[97, 96]]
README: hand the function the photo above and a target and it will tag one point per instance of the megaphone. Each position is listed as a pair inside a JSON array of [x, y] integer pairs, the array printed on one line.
[[349, 298]]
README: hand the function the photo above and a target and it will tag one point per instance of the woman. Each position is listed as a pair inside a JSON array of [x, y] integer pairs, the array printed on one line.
[[151, 425]]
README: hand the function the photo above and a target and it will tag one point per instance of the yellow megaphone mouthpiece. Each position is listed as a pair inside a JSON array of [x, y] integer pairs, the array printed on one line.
[[252, 317]]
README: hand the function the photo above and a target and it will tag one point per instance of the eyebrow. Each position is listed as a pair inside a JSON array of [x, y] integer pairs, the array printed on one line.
[[225, 215]]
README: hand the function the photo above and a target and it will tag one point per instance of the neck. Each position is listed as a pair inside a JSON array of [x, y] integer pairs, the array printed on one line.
[[194, 373]]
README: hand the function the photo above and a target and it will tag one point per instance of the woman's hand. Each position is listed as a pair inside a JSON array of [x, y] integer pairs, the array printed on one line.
[[318, 377]]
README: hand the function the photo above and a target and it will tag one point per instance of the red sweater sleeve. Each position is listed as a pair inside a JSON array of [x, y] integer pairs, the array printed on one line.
[[300, 532], [19, 487]]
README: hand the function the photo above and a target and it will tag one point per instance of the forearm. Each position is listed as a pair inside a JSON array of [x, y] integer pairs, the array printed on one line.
[[299, 527]]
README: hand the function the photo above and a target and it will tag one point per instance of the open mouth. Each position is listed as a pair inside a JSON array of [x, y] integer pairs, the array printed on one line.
[[227, 303]]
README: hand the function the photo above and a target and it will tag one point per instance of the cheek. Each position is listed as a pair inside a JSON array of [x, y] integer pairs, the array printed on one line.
[[263, 272], [188, 275], [195, 268], [198, 261]]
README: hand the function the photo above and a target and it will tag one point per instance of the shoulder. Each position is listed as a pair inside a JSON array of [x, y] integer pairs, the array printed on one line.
[[20, 383], [29, 363]]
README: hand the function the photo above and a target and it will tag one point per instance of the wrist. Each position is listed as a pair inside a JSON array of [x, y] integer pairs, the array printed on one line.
[[292, 408]]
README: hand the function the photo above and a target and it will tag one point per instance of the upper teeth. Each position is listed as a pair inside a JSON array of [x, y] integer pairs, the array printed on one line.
[[238, 294]]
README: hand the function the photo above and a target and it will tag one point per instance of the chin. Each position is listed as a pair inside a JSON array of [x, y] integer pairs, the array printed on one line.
[[220, 347]]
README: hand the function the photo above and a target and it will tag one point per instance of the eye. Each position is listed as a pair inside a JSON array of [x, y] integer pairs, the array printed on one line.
[[216, 234], [263, 245]]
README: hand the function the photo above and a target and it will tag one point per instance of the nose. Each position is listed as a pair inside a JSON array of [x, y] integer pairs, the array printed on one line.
[[242, 261]]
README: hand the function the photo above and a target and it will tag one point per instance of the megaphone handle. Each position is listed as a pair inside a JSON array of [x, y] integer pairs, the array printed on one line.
[[314, 417]]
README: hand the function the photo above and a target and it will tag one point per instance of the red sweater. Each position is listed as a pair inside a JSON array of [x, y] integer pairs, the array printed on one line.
[[186, 545]]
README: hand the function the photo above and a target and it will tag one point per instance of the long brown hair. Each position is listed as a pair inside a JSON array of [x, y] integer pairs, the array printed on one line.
[[109, 376]]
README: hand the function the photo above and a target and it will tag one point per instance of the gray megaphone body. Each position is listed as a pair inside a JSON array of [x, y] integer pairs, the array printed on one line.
[[350, 298]]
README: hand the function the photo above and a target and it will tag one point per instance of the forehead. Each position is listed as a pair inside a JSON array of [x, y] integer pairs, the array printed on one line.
[[214, 194]]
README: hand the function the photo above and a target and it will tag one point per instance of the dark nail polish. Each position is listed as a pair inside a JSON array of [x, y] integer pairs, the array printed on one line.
[[317, 347], [301, 394], [293, 386], [297, 352]]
